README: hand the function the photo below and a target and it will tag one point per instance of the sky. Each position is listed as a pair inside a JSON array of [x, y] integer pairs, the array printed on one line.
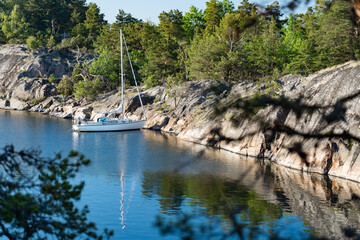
[[144, 9], [151, 9]]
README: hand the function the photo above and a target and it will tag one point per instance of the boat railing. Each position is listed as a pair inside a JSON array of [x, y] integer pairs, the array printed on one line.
[[111, 122]]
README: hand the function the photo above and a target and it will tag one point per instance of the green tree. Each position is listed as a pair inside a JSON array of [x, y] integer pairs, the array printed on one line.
[[171, 28], [223, 56], [247, 8], [47, 16], [204, 54], [231, 34], [77, 10], [94, 20], [44, 18], [305, 61], [265, 51], [14, 26], [213, 16], [87, 88], [80, 33], [171, 25], [65, 87], [93, 24], [125, 18], [299, 52], [52, 79], [32, 43], [51, 42], [75, 16], [106, 65], [193, 23], [110, 40], [336, 37], [161, 56], [273, 12], [226, 7]]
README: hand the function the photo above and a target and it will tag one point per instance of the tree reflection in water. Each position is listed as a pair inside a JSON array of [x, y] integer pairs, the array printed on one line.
[[234, 194], [221, 200]]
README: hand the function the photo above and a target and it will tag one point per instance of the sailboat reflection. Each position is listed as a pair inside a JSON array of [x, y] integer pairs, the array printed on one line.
[[122, 202], [126, 202]]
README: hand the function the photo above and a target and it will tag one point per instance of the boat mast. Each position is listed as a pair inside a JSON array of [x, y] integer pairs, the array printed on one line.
[[122, 74], [132, 69]]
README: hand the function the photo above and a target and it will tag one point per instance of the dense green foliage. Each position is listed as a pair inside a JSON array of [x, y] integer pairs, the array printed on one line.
[[65, 86], [236, 44], [223, 41], [40, 18]]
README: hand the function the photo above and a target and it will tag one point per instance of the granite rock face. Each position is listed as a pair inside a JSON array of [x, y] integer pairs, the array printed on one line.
[[24, 74], [189, 111]]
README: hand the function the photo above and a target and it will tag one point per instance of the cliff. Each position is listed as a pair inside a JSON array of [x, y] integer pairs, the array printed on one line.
[[188, 111]]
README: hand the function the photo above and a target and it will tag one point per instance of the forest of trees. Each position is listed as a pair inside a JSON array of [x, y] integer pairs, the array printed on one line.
[[222, 42]]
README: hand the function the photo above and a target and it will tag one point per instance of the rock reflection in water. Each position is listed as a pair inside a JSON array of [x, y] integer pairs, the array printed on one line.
[[329, 204], [263, 191]]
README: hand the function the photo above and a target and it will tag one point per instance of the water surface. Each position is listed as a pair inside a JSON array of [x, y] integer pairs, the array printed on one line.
[[138, 176]]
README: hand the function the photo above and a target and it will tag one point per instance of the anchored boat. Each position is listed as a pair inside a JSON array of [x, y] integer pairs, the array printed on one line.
[[105, 124]]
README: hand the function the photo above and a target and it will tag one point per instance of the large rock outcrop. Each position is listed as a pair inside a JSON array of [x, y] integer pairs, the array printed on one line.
[[186, 110], [189, 110], [24, 74]]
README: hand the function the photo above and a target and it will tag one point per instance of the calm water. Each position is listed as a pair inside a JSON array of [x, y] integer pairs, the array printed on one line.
[[138, 176]]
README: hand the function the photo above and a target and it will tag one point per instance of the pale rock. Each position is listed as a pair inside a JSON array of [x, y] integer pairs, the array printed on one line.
[[83, 112]]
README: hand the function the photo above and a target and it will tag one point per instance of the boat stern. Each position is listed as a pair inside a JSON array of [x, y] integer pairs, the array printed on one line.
[[75, 127]]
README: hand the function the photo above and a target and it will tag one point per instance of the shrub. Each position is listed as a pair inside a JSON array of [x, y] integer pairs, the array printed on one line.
[[152, 81], [106, 65], [175, 80], [51, 42], [65, 86], [87, 89], [71, 43], [32, 43], [36, 101], [53, 79]]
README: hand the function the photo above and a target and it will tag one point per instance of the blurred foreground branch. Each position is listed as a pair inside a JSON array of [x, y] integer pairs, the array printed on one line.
[[37, 197]]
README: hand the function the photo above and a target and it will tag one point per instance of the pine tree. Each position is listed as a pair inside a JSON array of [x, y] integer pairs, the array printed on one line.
[[14, 25], [193, 22], [226, 6], [125, 18], [336, 36], [212, 15], [298, 48], [273, 11], [205, 53], [265, 51], [171, 25], [93, 24]]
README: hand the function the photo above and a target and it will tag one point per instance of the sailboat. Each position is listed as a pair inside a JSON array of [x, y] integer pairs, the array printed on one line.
[[105, 124]]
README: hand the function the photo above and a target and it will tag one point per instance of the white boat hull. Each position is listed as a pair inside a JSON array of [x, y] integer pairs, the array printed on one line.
[[106, 127]]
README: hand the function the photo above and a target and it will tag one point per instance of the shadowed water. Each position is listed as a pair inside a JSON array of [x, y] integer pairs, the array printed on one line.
[[139, 175]]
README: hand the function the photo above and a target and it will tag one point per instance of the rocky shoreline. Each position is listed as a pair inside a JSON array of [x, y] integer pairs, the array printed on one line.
[[187, 111]]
